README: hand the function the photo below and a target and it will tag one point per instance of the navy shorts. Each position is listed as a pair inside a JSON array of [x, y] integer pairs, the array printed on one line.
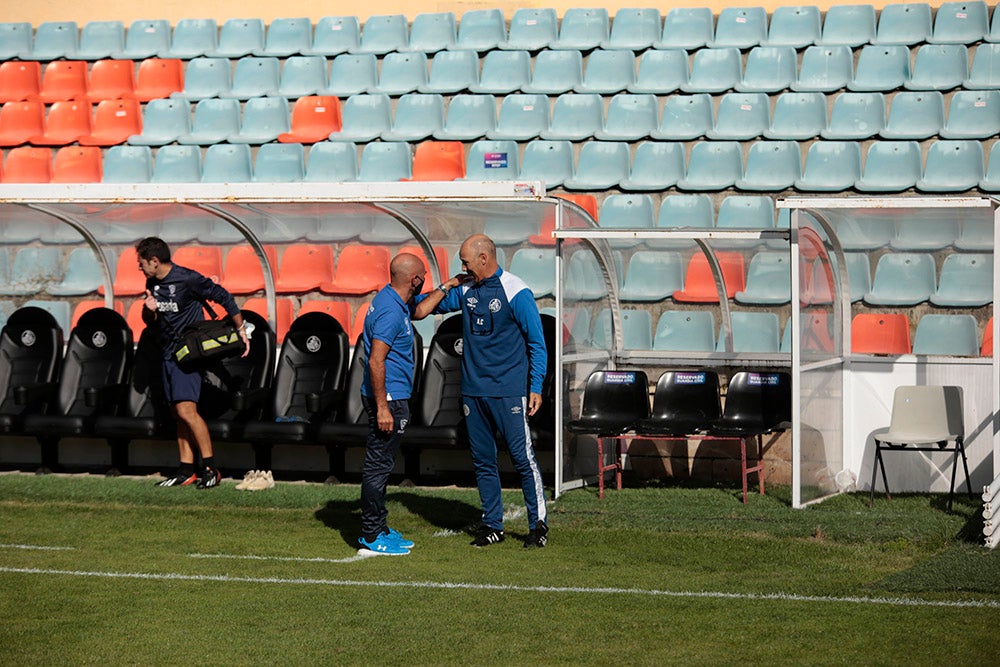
[[180, 385]]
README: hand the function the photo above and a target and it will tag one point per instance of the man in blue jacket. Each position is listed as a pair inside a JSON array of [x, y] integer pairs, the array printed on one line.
[[503, 365]]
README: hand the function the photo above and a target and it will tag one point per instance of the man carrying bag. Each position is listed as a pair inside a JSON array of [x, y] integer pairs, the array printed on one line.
[[175, 299]]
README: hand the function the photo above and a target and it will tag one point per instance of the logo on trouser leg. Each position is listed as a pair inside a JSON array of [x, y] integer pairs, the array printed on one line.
[[465, 409]]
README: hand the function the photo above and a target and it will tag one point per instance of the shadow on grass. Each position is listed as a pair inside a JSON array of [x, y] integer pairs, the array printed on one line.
[[344, 516]]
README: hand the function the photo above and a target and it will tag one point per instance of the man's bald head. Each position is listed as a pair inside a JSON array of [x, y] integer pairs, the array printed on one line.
[[404, 268], [479, 256]]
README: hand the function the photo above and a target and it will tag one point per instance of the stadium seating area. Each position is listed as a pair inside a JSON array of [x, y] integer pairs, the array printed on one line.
[[681, 119]]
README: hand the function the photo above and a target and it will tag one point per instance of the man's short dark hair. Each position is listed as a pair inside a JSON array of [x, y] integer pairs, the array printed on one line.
[[153, 246]]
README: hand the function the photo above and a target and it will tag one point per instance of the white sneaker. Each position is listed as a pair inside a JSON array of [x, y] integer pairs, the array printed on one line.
[[247, 479], [263, 481]]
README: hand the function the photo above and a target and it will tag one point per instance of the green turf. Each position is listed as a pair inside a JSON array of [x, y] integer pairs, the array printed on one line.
[[675, 540]]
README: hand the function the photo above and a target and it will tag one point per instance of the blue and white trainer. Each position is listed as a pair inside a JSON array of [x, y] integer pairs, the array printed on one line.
[[382, 545], [399, 539]]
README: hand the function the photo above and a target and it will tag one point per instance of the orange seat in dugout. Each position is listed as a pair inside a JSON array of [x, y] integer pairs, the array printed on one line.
[[283, 318], [987, 348], [129, 280], [314, 117], [360, 269], [90, 304], [304, 268], [544, 236], [438, 161], [699, 282], [338, 310], [880, 333], [206, 260], [243, 272], [440, 256], [359, 320]]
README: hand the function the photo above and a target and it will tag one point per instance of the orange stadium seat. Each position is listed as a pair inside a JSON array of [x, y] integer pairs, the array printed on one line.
[[438, 161], [129, 280], [313, 119], [587, 202], [359, 320], [699, 283], [114, 122], [243, 273], [111, 80], [206, 260], [20, 81], [360, 269], [987, 348], [65, 123], [28, 164], [440, 256], [77, 164], [90, 304], [64, 80], [338, 310], [134, 317], [304, 268], [19, 121], [158, 78], [283, 318], [880, 333]]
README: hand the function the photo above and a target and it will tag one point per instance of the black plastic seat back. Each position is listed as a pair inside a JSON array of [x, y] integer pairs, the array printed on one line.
[[145, 396], [313, 360], [684, 402], [31, 349], [613, 402], [756, 402], [545, 418], [354, 410], [240, 374], [440, 401], [98, 360]]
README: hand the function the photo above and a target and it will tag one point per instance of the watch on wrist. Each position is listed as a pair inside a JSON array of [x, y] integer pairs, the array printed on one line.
[[444, 288]]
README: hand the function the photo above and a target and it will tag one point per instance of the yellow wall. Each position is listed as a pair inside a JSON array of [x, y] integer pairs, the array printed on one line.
[[220, 10]]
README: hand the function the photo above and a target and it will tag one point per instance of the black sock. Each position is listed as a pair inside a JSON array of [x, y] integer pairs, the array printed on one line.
[[208, 462], [185, 469]]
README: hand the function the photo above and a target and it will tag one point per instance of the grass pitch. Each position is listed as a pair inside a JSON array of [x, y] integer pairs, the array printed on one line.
[[118, 571]]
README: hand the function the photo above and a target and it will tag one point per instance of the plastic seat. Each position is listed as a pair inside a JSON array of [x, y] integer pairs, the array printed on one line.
[[239, 38], [28, 164], [65, 123], [481, 30], [661, 72], [360, 270], [740, 27], [522, 117], [503, 72], [535, 267], [872, 234], [903, 279], [797, 116], [469, 118], [768, 280], [264, 120], [680, 212], [332, 161], [338, 310], [950, 335], [629, 118], [966, 282], [145, 39], [177, 164], [490, 161], [685, 117], [653, 276], [906, 24], [582, 29], [613, 403], [227, 163], [915, 115], [575, 117], [29, 361], [685, 331], [205, 78], [215, 120], [54, 40], [583, 277], [531, 29], [550, 162], [101, 39], [830, 166], [401, 73], [20, 81], [990, 183], [314, 118], [972, 115], [128, 164], [287, 37], [352, 74], [713, 165], [254, 77], [64, 80], [741, 116], [114, 122], [110, 80], [193, 38], [656, 166], [158, 78], [848, 25], [986, 350], [687, 28], [417, 117], [334, 35], [555, 72], [600, 165], [636, 329], [825, 69], [383, 34], [32, 270], [632, 211], [388, 161], [304, 268], [859, 275], [438, 161], [206, 260], [856, 116], [365, 118], [939, 67], [881, 68], [745, 212], [432, 32], [284, 313], [771, 166], [302, 76], [880, 333], [769, 69], [985, 70], [699, 283], [452, 72], [608, 72], [279, 163], [634, 29], [890, 166], [753, 332], [797, 27], [960, 23], [15, 39], [952, 166], [976, 235], [714, 71], [925, 236], [19, 121]]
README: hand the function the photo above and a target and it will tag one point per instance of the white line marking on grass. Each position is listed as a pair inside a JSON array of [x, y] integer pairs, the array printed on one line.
[[445, 585], [352, 559], [35, 547]]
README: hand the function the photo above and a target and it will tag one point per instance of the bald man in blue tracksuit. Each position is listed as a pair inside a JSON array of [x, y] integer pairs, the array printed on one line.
[[503, 365]]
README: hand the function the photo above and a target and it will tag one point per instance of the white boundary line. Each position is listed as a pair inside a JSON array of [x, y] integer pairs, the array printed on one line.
[[443, 585], [298, 559], [35, 547]]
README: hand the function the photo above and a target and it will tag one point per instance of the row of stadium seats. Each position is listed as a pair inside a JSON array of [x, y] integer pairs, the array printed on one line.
[[770, 166], [661, 72], [484, 30]]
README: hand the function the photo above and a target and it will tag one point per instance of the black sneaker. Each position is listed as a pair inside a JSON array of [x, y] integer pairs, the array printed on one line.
[[537, 537], [209, 478], [486, 536], [179, 480]]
